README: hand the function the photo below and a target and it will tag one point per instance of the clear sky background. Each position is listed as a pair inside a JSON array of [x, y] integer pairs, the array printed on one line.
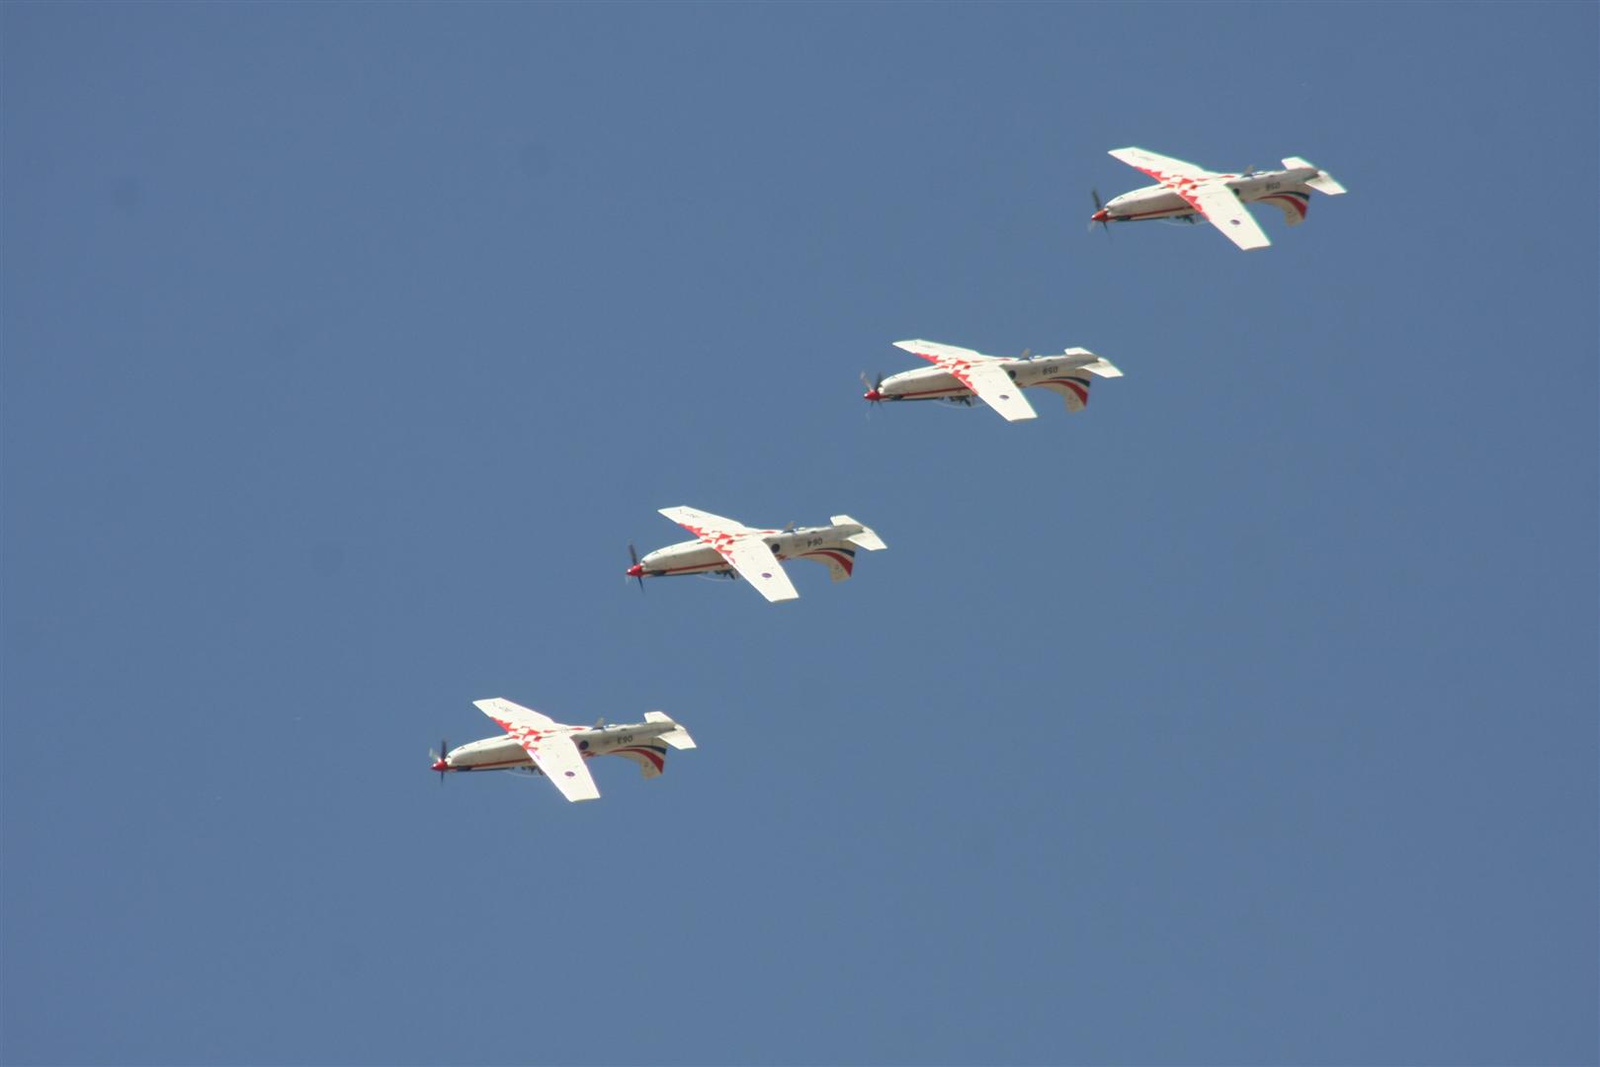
[[1247, 717]]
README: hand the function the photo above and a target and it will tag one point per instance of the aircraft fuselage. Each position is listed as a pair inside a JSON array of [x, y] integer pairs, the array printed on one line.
[[1160, 202], [934, 383], [504, 752], [697, 557]]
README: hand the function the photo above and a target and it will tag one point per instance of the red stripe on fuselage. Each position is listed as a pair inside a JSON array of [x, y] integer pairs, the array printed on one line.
[[719, 566], [956, 391]]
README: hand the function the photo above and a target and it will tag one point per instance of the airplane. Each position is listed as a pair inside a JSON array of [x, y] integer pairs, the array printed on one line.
[[539, 745], [959, 374], [1187, 190], [724, 547]]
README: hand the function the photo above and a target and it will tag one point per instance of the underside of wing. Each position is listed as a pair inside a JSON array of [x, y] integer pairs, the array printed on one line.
[[1227, 213], [1164, 169], [757, 565], [703, 522], [558, 757], [994, 387]]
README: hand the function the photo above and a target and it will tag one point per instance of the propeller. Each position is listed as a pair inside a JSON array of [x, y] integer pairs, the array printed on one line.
[[874, 393], [636, 571], [1099, 215], [440, 763]]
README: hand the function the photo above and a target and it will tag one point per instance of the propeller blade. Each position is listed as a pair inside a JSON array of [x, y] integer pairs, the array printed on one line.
[[873, 385], [634, 571], [1099, 206]]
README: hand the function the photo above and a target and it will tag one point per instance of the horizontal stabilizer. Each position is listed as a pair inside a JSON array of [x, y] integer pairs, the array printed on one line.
[[867, 538], [678, 738], [1103, 368], [1322, 183]]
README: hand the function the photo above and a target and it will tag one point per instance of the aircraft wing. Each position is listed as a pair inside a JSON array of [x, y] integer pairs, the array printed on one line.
[[703, 523], [558, 757], [757, 565], [978, 372], [934, 352], [1227, 213], [994, 387], [1164, 169], [514, 717], [548, 743]]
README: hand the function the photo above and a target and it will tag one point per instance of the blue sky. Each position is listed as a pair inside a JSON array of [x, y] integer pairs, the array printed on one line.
[[1247, 717]]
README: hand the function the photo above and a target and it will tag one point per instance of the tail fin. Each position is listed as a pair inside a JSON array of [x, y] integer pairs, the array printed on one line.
[[1322, 181], [678, 738], [866, 539], [841, 562], [1073, 385], [1294, 203]]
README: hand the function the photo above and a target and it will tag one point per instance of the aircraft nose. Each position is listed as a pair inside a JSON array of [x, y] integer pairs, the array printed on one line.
[[873, 395], [1100, 216], [636, 571], [441, 764]]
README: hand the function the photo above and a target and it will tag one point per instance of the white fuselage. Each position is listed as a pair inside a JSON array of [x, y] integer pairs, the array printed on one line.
[[932, 383], [697, 557], [505, 752], [1160, 202]]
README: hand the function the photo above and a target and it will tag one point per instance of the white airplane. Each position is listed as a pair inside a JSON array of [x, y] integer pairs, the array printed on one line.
[[1187, 190], [724, 547], [959, 374], [537, 744]]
